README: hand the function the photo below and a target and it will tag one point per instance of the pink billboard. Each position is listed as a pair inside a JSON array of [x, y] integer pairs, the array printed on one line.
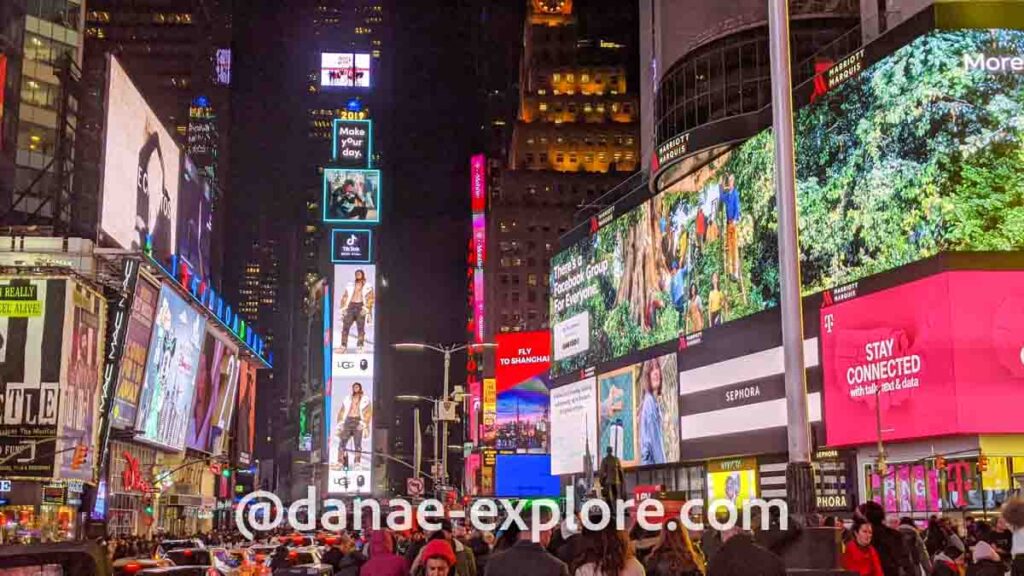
[[940, 356], [478, 183]]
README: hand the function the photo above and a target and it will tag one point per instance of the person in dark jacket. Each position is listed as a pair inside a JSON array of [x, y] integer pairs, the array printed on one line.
[[332, 557], [892, 553], [279, 559], [481, 551], [527, 557], [912, 540], [739, 555], [674, 555], [947, 562]]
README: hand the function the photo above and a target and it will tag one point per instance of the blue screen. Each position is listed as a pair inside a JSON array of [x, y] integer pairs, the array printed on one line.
[[525, 476]]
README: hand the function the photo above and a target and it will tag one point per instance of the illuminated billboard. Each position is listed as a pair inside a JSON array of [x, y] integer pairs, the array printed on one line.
[[245, 422], [350, 435], [344, 70], [934, 366], [162, 418], [215, 379], [888, 172], [351, 196], [222, 73], [353, 143], [351, 378], [80, 394], [133, 361], [639, 412], [574, 426], [351, 246], [33, 315], [141, 164]]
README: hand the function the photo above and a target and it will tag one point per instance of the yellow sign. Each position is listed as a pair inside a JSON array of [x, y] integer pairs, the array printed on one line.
[[997, 475], [20, 301], [489, 401], [17, 309]]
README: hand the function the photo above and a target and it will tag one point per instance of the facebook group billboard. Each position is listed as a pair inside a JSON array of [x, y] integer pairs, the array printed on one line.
[[888, 172], [939, 356]]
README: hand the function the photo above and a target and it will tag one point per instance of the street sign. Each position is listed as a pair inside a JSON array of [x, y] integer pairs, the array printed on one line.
[[446, 411], [414, 487]]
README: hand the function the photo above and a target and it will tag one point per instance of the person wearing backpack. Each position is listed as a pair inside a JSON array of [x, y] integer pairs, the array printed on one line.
[[913, 542]]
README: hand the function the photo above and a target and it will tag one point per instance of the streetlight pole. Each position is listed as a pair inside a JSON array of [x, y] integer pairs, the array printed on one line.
[[799, 474], [444, 423], [447, 351]]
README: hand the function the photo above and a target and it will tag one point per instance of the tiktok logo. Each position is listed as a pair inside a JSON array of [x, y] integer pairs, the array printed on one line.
[[351, 240]]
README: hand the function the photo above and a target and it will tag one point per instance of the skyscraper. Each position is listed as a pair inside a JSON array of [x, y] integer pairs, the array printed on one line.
[[575, 137]]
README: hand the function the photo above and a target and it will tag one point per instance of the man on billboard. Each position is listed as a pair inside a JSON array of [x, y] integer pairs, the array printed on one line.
[[152, 229], [730, 197], [353, 423], [356, 307]]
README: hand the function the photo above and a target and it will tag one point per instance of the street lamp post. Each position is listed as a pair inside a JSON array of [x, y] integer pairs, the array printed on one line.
[[799, 474], [447, 351]]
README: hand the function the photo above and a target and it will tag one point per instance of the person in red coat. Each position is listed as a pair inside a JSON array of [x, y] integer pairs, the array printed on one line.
[[860, 556]]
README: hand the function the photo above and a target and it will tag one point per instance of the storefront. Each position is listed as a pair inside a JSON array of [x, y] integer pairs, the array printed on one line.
[[131, 489], [39, 512]]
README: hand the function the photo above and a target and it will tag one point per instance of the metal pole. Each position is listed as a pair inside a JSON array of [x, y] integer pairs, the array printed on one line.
[[417, 443], [799, 475], [444, 424]]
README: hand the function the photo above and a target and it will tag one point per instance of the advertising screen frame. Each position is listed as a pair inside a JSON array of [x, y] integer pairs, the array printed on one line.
[[185, 350], [367, 240], [586, 390], [369, 175], [245, 414], [36, 329], [132, 367], [160, 143], [353, 70], [366, 150], [359, 468]]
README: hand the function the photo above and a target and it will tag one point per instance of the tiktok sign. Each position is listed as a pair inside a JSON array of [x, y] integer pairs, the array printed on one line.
[[938, 356]]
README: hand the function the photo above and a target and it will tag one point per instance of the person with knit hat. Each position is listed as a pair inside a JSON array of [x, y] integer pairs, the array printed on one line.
[[383, 560], [438, 559]]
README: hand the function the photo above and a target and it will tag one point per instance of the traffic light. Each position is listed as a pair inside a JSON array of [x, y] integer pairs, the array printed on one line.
[[940, 463], [78, 458], [226, 473], [983, 463]]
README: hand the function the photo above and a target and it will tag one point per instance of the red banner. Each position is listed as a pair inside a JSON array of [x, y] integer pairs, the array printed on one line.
[[521, 355]]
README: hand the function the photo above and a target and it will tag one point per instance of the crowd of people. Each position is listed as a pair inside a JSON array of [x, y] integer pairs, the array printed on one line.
[[878, 546], [873, 545]]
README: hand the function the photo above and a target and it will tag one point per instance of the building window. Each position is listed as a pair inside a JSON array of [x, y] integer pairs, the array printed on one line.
[[559, 158], [531, 280], [556, 77], [570, 77], [584, 77], [543, 106], [515, 297]]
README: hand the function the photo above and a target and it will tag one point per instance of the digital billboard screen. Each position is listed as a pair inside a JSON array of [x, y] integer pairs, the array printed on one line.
[[574, 426], [639, 412], [245, 423], [224, 368], [32, 325], [80, 396], [351, 246], [520, 420], [350, 391], [350, 435], [141, 165], [888, 171], [344, 70], [351, 196], [195, 219], [353, 143], [162, 418], [133, 361], [218, 365], [525, 476], [732, 480], [934, 366]]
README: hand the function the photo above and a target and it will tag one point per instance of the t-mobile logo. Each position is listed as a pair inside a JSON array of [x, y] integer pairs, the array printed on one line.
[[830, 321]]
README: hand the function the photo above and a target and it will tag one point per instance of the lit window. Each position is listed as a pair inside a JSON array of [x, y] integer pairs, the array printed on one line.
[[557, 77], [584, 77], [543, 106]]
